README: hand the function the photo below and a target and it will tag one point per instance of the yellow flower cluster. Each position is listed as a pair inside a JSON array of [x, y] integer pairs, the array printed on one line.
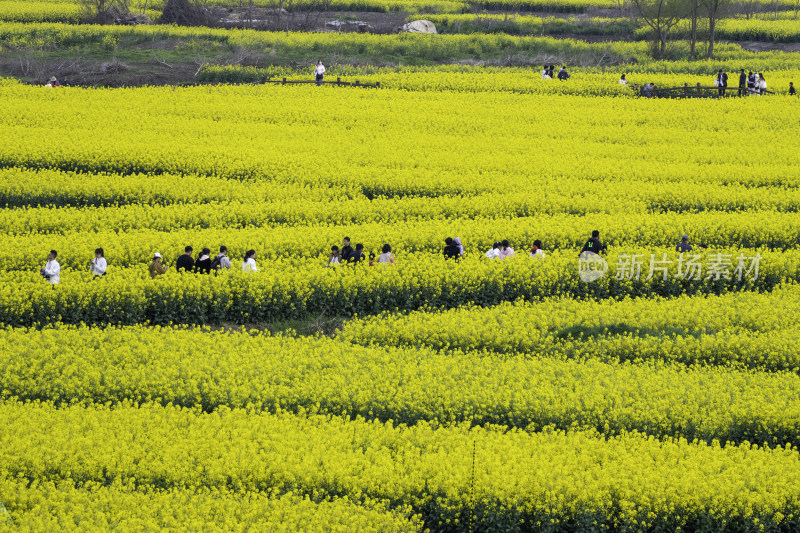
[[564, 386], [738, 330], [628, 482], [62, 505]]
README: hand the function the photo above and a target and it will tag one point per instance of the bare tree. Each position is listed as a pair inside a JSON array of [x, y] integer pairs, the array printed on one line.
[[715, 10], [693, 45], [184, 13], [661, 16], [104, 11]]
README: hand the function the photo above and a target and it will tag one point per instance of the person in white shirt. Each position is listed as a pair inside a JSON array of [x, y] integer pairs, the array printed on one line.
[[387, 256], [221, 261], [545, 73], [319, 72], [761, 84], [537, 250], [249, 263], [622, 80], [52, 270], [494, 253], [98, 266], [335, 259]]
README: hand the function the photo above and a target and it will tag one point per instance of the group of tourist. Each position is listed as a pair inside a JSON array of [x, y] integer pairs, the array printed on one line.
[[749, 83], [503, 250], [205, 264], [53, 82], [348, 255], [595, 246], [547, 73]]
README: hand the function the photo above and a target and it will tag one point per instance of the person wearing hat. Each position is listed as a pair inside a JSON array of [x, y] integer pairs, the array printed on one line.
[[684, 245], [156, 268], [52, 82]]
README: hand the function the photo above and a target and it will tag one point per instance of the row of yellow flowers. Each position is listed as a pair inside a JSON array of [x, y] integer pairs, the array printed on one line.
[[293, 289], [564, 385], [451, 476], [63, 505]]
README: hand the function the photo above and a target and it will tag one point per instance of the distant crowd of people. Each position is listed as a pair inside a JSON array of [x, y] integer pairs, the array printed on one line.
[[205, 263], [595, 246], [348, 255], [547, 73], [750, 83]]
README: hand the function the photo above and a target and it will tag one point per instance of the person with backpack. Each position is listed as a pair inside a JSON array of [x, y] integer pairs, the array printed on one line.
[[156, 268], [52, 270], [221, 261], [98, 265], [451, 249], [751, 83], [203, 263], [593, 245], [684, 245], [185, 262], [563, 75], [249, 263]]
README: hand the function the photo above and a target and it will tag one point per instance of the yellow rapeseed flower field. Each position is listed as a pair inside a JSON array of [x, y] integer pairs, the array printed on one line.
[[478, 394]]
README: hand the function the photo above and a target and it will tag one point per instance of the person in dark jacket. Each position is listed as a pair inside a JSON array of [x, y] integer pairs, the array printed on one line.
[[347, 250], [358, 255], [684, 245], [451, 250], [185, 262], [792, 92], [742, 82], [751, 83], [563, 74], [721, 82], [203, 263], [594, 245]]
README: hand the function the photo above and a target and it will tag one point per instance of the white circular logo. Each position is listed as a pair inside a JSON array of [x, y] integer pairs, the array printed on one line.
[[591, 267]]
